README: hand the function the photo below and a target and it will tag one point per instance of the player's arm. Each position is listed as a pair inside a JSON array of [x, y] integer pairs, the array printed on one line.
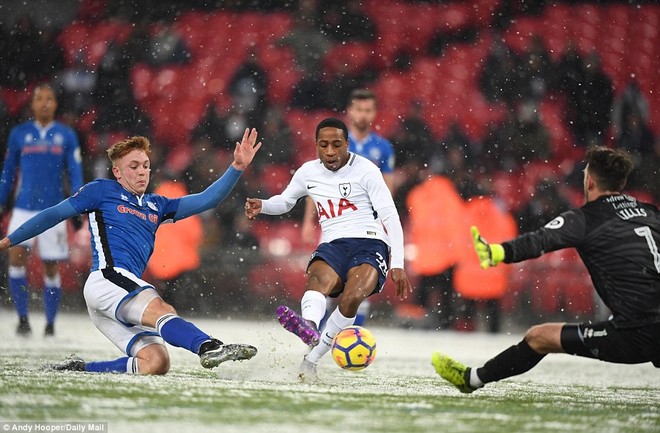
[[39, 223], [565, 231], [380, 194], [280, 203], [219, 190]]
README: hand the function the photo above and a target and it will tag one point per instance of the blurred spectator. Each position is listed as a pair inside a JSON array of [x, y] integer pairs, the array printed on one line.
[[167, 47], [646, 175], [456, 161], [535, 71], [247, 88], [21, 54], [203, 168], [630, 101], [346, 21], [278, 137], [116, 106], [476, 286], [497, 146], [413, 139], [636, 137], [589, 103], [223, 130], [311, 93], [497, 82], [531, 139], [436, 245], [546, 203], [77, 85], [307, 40], [570, 72], [172, 271]]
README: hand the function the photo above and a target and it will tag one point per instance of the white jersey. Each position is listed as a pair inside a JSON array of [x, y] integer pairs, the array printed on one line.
[[352, 202]]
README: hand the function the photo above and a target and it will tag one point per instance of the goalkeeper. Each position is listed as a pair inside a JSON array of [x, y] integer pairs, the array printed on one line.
[[617, 238]]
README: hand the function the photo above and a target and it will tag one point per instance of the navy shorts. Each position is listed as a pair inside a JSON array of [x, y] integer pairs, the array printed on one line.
[[604, 341], [346, 253]]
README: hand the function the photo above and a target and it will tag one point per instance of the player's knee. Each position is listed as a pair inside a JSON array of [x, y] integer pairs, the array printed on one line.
[[156, 364], [154, 359]]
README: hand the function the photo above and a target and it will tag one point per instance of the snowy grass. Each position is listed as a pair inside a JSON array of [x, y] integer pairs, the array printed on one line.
[[398, 393]]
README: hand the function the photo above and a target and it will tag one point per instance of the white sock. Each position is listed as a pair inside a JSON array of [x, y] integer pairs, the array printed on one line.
[[336, 322], [475, 382], [312, 306]]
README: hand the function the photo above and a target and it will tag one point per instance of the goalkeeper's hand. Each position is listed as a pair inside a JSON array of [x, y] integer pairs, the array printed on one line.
[[489, 254]]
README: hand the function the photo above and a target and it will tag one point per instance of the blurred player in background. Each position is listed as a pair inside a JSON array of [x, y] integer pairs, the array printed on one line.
[[123, 220], [42, 150], [617, 238], [355, 208], [361, 113]]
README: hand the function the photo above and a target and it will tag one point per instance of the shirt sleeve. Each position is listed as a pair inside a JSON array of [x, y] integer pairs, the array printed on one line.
[[284, 202], [565, 231]]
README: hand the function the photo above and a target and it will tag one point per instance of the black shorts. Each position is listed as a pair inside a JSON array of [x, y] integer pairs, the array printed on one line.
[[602, 340]]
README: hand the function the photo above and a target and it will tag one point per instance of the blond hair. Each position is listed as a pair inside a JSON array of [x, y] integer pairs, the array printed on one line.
[[124, 147]]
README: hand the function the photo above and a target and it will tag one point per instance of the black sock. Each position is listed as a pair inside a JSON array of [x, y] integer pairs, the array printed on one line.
[[515, 360]]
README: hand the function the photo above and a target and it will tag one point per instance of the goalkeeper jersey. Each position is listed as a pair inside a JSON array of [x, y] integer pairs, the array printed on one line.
[[617, 238], [42, 154]]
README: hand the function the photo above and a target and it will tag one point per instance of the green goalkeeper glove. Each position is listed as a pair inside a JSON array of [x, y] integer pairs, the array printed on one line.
[[489, 254]]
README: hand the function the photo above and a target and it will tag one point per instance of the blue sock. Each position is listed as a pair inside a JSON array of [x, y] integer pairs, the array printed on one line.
[[52, 296], [181, 333], [116, 366], [19, 293]]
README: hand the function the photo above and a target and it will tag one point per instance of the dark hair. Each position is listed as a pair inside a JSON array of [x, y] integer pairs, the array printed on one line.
[[332, 122], [361, 95], [609, 167]]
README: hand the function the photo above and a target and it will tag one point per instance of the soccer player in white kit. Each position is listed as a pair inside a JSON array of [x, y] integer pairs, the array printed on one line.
[[362, 238]]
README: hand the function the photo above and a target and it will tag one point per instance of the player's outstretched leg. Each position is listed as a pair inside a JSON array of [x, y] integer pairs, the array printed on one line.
[[214, 352], [303, 329], [452, 371]]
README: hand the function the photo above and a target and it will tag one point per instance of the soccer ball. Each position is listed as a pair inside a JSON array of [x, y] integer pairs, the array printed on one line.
[[354, 348]]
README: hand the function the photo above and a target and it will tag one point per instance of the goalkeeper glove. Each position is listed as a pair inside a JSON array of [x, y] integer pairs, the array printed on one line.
[[489, 254]]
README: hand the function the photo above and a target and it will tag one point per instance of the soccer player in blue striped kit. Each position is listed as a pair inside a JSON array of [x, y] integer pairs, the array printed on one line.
[[123, 220], [43, 150]]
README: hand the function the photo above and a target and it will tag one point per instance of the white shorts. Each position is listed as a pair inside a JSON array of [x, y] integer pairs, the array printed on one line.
[[116, 300], [52, 244]]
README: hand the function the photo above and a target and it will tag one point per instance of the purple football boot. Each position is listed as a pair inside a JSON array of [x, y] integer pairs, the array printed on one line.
[[304, 329]]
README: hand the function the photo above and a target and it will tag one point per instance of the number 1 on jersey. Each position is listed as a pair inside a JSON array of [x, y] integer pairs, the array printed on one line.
[[645, 232]]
